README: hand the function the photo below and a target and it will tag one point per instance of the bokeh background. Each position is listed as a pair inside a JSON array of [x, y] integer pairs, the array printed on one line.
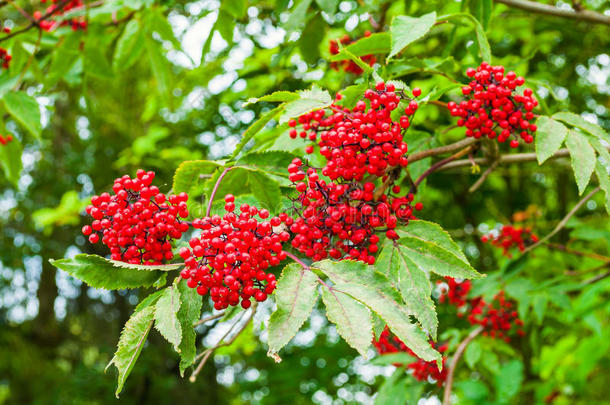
[[185, 100]]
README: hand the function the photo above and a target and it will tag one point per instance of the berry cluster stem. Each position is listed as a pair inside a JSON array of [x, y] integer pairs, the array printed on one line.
[[215, 189]]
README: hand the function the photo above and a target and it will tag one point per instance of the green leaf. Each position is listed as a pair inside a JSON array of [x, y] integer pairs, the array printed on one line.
[[235, 8], [406, 30], [583, 159], [604, 182], [440, 257], [508, 381], [295, 296], [378, 325], [311, 37], [394, 390], [64, 57], [352, 94], [345, 54], [309, 100], [189, 313], [129, 46], [482, 9], [549, 137], [188, 173], [328, 6], [374, 290], [98, 272], [353, 319], [276, 96], [160, 66], [95, 62], [484, 47], [256, 128], [379, 42], [130, 344], [25, 110], [392, 358], [579, 122], [297, 17], [265, 189], [472, 354], [432, 232], [412, 282], [166, 316], [10, 160]]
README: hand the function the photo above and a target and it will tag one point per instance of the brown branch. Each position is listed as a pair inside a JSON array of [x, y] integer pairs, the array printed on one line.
[[575, 252], [454, 361], [564, 221], [535, 7], [512, 158], [205, 355], [209, 318], [452, 147], [440, 164], [597, 278], [483, 177]]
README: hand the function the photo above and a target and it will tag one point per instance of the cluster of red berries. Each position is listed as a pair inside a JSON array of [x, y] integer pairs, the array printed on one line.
[[339, 219], [498, 317], [363, 140], [348, 65], [230, 256], [54, 10], [6, 139], [509, 237], [493, 108], [137, 223], [5, 58], [422, 370], [455, 291]]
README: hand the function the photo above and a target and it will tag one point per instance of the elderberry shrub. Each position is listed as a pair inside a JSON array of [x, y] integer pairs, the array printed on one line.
[[363, 140], [229, 258], [349, 65], [421, 370], [493, 108], [454, 291], [511, 236], [341, 220], [138, 223]]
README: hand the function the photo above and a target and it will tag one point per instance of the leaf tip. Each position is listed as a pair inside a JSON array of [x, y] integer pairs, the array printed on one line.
[[274, 356]]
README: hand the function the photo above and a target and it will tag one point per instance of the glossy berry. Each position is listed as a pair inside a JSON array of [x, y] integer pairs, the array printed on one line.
[[5, 140], [360, 141], [493, 107], [132, 222], [341, 220], [49, 24], [454, 291], [230, 257], [5, 58], [498, 317], [511, 236]]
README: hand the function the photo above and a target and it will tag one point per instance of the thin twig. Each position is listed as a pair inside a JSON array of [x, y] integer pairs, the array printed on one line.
[[575, 252], [483, 177], [440, 164], [221, 343], [512, 158], [597, 278], [454, 361], [452, 147], [564, 221], [540, 8], [222, 175], [209, 318]]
